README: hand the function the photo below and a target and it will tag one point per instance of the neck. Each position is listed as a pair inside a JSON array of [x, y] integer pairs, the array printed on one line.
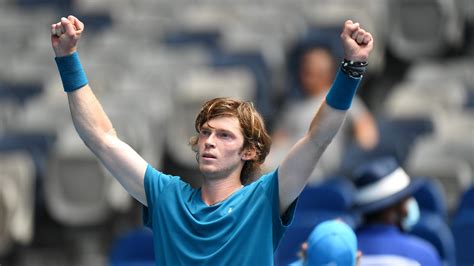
[[214, 191]]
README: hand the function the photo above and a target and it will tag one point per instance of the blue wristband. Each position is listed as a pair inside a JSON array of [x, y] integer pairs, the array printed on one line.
[[71, 72], [342, 91]]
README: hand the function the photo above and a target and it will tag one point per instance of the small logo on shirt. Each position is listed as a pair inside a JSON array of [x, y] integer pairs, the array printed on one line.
[[229, 210]]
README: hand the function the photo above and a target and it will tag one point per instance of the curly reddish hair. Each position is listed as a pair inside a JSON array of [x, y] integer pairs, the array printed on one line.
[[252, 125]]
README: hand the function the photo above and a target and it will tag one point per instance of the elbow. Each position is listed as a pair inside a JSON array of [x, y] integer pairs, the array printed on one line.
[[98, 142]]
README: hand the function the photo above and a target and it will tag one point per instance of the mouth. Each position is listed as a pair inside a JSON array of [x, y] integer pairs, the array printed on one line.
[[208, 156]]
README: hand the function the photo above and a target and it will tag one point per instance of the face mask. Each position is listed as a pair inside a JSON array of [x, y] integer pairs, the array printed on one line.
[[413, 215]]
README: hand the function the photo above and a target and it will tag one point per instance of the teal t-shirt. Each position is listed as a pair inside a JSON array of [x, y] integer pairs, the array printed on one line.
[[244, 229]]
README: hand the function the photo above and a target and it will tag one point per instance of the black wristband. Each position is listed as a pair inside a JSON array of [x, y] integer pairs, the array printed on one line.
[[354, 69]]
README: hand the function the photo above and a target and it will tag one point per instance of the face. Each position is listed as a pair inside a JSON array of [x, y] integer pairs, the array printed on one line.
[[220, 148], [316, 72]]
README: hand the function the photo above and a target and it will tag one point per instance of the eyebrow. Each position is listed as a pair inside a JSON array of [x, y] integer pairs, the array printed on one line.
[[208, 127]]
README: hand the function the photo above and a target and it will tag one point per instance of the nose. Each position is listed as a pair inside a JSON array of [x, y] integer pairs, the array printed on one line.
[[209, 141]]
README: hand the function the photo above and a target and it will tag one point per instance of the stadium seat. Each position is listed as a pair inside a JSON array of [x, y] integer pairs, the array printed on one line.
[[428, 157], [207, 39], [17, 198], [13, 97], [462, 227], [415, 98], [435, 230], [133, 248], [456, 127], [290, 246], [397, 137], [255, 63], [329, 200], [77, 191], [338, 189], [431, 198], [422, 29], [20, 92], [372, 15], [5, 237], [60, 5], [38, 145]]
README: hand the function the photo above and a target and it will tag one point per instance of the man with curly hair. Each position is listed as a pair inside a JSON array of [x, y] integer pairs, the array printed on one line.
[[228, 220]]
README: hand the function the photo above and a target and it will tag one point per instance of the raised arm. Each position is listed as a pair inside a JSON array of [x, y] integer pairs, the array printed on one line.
[[90, 120], [298, 165]]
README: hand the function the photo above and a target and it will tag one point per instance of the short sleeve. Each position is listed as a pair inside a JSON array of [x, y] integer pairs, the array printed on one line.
[[154, 183], [270, 185]]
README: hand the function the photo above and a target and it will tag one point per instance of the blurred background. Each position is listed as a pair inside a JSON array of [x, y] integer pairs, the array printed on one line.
[[152, 63]]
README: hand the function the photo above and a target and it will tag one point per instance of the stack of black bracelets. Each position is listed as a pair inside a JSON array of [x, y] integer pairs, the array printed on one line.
[[353, 69]]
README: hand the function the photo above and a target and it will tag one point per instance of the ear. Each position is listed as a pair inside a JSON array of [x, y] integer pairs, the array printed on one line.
[[358, 257], [404, 208], [249, 154]]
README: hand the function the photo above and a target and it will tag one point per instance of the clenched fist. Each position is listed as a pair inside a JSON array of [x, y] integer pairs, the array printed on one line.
[[357, 42], [65, 35]]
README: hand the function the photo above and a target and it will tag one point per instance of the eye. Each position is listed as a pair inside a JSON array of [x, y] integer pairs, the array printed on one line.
[[225, 135], [205, 132]]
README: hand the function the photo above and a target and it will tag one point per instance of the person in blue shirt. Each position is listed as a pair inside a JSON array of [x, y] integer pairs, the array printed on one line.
[[384, 198], [228, 220]]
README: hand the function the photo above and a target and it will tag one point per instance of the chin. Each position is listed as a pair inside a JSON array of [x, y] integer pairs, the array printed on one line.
[[207, 170]]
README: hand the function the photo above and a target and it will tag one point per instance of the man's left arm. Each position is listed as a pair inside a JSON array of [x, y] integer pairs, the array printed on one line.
[[300, 162]]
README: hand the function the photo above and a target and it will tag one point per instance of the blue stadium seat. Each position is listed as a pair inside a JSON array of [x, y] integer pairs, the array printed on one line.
[[134, 248], [397, 136], [19, 93], [219, 58], [435, 230], [339, 190], [37, 144], [462, 227], [208, 39], [329, 200], [62, 5], [96, 21], [469, 103], [289, 247], [431, 198], [433, 225]]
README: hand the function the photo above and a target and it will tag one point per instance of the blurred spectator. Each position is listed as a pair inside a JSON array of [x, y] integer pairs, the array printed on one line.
[[384, 198], [316, 70]]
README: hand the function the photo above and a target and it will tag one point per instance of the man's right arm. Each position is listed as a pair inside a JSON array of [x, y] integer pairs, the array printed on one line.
[[90, 120]]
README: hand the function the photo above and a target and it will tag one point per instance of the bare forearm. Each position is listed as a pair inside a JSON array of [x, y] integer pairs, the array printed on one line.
[[325, 124], [301, 160], [90, 120]]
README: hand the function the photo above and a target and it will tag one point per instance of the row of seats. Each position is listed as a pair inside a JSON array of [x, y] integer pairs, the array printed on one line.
[[439, 94], [330, 200], [238, 24], [145, 59], [105, 48], [451, 235]]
